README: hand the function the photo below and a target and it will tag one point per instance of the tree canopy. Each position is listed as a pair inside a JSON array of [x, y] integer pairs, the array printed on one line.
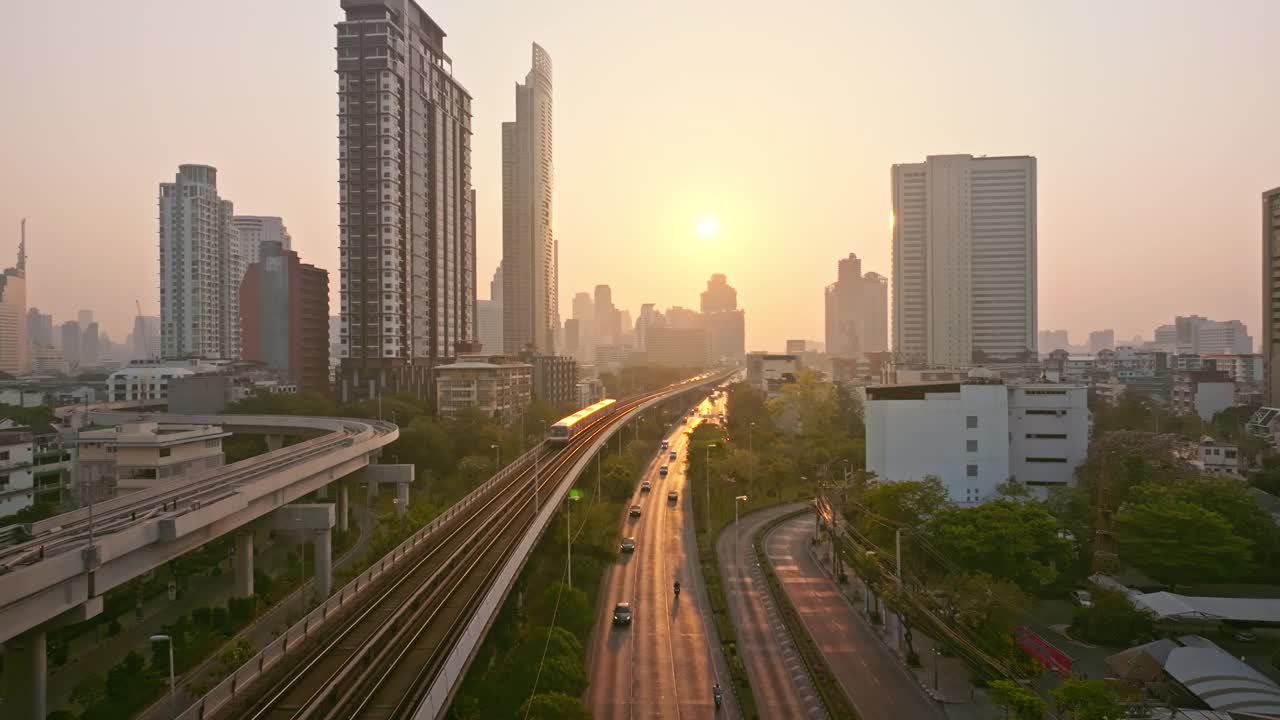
[[1087, 700], [1177, 541], [1011, 540]]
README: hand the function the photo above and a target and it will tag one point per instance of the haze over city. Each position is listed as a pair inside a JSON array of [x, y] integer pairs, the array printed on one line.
[[1153, 141]]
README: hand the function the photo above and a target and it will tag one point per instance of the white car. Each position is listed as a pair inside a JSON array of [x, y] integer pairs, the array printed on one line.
[[1081, 598]]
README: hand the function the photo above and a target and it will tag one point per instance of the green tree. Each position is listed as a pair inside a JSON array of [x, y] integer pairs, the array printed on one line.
[[1018, 702], [1087, 700], [553, 706], [1178, 542], [1111, 619], [574, 613], [92, 688], [1011, 540], [990, 607], [888, 505]]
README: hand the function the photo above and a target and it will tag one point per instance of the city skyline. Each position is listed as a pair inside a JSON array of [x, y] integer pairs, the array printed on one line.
[[1145, 128]]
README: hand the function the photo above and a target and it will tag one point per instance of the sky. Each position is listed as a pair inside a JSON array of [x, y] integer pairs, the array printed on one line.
[[1156, 125]]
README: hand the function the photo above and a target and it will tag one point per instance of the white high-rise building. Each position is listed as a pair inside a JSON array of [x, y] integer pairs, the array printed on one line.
[[253, 230], [531, 305], [406, 234], [1271, 292], [13, 313], [964, 259], [200, 268]]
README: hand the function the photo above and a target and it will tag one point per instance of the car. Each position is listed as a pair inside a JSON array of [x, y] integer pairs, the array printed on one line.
[[622, 614], [646, 486], [1081, 598], [662, 471], [635, 511], [664, 444], [628, 544], [673, 496], [671, 456]]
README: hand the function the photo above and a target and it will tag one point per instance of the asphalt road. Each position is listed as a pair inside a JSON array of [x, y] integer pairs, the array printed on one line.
[[878, 685], [779, 680], [667, 662]]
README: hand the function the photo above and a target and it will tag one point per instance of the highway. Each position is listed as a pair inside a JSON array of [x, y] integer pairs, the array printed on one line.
[[873, 678], [667, 662]]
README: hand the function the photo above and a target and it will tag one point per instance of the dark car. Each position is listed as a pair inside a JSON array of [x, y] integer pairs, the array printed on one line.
[[672, 496], [645, 486], [635, 511], [628, 545], [662, 471], [622, 614]]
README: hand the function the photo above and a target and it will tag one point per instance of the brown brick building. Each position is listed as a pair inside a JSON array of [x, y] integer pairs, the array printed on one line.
[[284, 317]]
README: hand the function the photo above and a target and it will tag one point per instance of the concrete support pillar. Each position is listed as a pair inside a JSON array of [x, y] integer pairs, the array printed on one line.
[[274, 442], [322, 493], [323, 542], [402, 498], [344, 506], [244, 563], [25, 677]]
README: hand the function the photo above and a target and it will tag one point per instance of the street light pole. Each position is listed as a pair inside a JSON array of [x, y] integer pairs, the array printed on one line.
[[173, 687], [736, 534], [707, 482], [497, 457], [568, 533]]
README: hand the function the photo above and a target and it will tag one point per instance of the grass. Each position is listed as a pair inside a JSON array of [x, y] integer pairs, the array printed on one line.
[[832, 694]]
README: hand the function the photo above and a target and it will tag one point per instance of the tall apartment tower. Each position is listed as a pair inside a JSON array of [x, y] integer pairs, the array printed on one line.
[[200, 268], [39, 328], [530, 312], [719, 296], [406, 204], [606, 317], [285, 316], [13, 312], [253, 230], [964, 259], [1271, 292]]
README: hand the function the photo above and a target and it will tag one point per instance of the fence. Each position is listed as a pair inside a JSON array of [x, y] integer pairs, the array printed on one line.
[[295, 636]]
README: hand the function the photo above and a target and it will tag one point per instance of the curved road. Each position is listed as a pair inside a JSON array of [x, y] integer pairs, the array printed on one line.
[[665, 664], [779, 680], [879, 686]]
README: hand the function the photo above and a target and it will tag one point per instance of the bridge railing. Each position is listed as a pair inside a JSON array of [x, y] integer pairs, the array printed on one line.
[[289, 642]]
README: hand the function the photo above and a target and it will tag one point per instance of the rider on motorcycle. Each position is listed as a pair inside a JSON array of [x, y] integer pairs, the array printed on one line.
[[716, 692], [677, 587]]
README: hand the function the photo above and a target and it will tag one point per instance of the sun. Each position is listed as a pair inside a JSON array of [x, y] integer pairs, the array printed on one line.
[[708, 227]]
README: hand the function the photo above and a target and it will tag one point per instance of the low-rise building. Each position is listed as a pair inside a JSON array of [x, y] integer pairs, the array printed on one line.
[[498, 390], [46, 359], [977, 434], [1079, 368], [141, 455], [1205, 393], [143, 383], [1265, 424], [1244, 369], [768, 372], [555, 378], [1217, 458], [590, 391]]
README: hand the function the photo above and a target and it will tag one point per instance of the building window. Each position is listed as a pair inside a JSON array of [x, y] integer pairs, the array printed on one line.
[[4, 481], [1046, 436], [166, 452], [971, 471], [4, 455], [971, 445], [1046, 460], [1044, 412], [971, 422]]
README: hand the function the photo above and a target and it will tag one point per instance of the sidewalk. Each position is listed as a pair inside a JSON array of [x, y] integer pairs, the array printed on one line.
[[945, 679]]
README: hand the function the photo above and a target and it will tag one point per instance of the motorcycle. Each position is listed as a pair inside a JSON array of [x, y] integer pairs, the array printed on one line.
[[716, 693], [677, 589]]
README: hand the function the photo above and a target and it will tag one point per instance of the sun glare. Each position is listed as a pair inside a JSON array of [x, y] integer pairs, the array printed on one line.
[[708, 227]]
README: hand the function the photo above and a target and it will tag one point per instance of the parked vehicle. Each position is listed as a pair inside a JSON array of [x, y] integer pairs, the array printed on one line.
[[1081, 598], [1238, 631]]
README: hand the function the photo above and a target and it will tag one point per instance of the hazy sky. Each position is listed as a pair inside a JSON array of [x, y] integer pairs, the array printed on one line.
[[1156, 125]]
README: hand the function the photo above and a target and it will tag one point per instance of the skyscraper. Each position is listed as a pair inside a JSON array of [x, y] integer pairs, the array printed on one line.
[[607, 325], [200, 268], [70, 333], [284, 305], [584, 311], [1102, 340], [90, 351], [856, 310], [1271, 292], [39, 328], [875, 312], [13, 311], [406, 204], [530, 312], [489, 316], [964, 259], [253, 230], [719, 295]]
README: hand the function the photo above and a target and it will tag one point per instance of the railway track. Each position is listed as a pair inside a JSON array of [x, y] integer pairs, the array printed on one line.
[[378, 661]]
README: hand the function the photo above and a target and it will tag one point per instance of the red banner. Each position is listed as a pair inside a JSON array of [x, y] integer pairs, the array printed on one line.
[[1042, 650]]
